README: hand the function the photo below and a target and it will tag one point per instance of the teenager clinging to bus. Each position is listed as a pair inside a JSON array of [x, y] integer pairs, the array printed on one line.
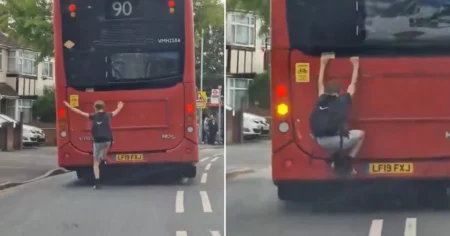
[[329, 117], [101, 133]]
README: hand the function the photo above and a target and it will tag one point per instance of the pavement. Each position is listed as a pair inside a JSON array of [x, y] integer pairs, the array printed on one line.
[[63, 206], [253, 207]]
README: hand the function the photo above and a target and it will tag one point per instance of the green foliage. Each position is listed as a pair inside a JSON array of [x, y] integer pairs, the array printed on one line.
[[259, 90], [207, 14], [259, 7], [44, 107], [29, 23], [213, 60]]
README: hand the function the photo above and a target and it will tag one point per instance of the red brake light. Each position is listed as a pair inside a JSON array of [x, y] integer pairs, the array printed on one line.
[[72, 7], [171, 3], [281, 91], [189, 108], [62, 112]]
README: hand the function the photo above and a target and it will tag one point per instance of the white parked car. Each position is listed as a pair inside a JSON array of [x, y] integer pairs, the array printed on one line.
[[260, 120], [31, 135], [252, 129]]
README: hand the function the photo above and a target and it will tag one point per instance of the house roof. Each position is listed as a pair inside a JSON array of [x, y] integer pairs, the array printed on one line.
[[4, 40], [6, 90]]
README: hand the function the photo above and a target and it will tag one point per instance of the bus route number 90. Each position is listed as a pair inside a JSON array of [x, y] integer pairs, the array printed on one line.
[[122, 9]]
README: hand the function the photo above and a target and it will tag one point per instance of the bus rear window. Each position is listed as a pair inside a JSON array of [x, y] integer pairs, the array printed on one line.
[[122, 41], [133, 66], [370, 26]]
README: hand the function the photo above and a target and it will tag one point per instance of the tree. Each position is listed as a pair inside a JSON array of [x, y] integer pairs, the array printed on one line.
[[213, 59], [259, 90], [207, 14], [29, 23], [259, 7], [44, 108]]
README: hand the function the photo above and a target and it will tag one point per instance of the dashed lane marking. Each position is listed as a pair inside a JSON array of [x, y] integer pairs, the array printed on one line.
[[205, 202], [215, 159], [218, 154], [215, 233], [376, 227], [204, 177], [181, 233], [411, 227], [208, 166], [179, 202], [204, 159]]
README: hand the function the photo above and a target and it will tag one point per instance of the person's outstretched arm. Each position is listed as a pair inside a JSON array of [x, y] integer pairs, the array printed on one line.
[[118, 109], [78, 111], [324, 59], [352, 87]]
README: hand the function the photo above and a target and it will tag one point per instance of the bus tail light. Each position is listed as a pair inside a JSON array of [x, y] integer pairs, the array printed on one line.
[[288, 163], [190, 129], [72, 9], [62, 122], [171, 6], [283, 127], [190, 108], [282, 109]]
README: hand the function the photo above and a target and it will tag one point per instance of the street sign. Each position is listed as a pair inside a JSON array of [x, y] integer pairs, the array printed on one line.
[[201, 100], [215, 93]]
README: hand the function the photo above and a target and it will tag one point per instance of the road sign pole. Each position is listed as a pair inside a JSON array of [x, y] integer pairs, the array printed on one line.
[[200, 130], [220, 113]]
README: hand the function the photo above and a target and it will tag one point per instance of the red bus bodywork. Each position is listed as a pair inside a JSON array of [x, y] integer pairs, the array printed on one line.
[[149, 115], [402, 104]]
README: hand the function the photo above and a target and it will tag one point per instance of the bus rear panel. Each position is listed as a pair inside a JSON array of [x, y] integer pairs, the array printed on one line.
[[402, 97], [138, 52]]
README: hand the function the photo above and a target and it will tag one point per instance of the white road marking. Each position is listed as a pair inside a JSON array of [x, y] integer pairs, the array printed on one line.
[[215, 233], [179, 203], [204, 176], [208, 166], [376, 228], [181, 233], [218, 154], [205, 201], [204, 159], [410, 227], [215, 159]]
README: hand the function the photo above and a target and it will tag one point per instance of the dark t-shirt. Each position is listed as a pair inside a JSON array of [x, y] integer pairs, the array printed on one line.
[[101, 129], [340, 105]]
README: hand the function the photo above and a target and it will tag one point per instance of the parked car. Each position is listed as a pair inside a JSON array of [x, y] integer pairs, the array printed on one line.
[[31, 135], [252, 129], [260, 120]]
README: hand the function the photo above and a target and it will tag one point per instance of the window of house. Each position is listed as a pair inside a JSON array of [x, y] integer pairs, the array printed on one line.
[[237, 92], [12, 62], [22, 61], [243, 29], [25, 106], [47, 69]]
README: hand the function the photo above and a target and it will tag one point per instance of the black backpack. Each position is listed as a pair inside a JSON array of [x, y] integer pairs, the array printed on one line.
[[326, 119], [101, 131]]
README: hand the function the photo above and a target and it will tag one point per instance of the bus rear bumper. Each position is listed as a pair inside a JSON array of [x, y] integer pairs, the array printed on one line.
[[304, 169], [185, 153]]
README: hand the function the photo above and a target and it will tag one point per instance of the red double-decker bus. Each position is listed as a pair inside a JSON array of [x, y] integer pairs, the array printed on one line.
[[402, 100], [138, 52]]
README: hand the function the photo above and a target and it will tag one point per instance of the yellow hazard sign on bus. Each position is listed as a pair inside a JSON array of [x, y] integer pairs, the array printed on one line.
[[302, 72], [73, 101]]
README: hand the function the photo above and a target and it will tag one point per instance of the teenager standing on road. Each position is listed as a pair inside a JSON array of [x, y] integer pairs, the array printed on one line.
[[101, 133]]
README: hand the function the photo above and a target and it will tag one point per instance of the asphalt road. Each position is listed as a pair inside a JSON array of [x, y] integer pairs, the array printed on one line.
[[253, 208], [62, 206]]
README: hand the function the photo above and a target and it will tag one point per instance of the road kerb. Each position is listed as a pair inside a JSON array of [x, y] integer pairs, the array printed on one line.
[[49, 173], [240, 171]]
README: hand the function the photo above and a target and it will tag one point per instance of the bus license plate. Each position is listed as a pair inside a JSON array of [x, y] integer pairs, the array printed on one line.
[[129, 157], [391, 168]]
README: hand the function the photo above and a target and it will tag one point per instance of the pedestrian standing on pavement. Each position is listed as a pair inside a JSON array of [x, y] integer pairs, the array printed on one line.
[[205, 130], [101, 133], [329, 117], [212, 129]]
